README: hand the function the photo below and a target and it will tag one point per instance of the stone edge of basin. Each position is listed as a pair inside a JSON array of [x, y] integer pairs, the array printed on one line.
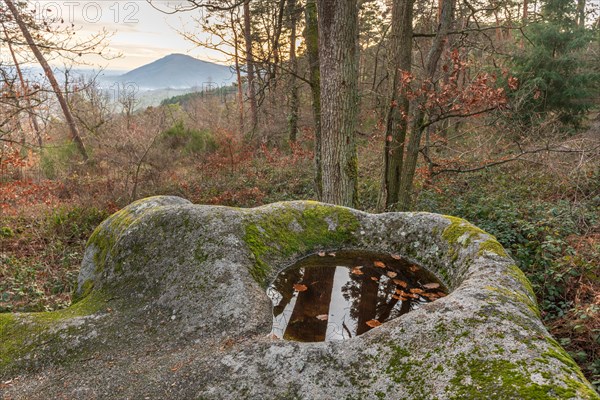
[[266, 239]]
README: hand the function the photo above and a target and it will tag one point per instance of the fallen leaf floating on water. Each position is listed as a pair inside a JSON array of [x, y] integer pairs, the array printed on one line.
[[414, 268], [432, 285], [441, 294], [396, 297], [396, 257], [322, 317], [392, 274], [300, 287], [401, 292], [357, 271], [331, 254], [374, 278], [373, 323], [417, 290], [400, 283], [321, 254], [378, 264]]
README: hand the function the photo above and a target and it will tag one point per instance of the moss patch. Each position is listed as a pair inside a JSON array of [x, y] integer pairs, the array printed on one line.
[[460, 230], [501, 379], [86, 289], [287, 230], [492, 246], [106, 234], [518, 275], [519, 297], [555, 351], [21, 333]]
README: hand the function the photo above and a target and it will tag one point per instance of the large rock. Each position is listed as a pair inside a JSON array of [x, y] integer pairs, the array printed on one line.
[[172, 305]]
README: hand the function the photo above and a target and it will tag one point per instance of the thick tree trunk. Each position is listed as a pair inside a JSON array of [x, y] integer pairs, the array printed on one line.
[[250, 69], [303, 324], [50, 75], [294, 100], [416, 128], [397, 122], [338, 54], [366, 309], [311, 38]]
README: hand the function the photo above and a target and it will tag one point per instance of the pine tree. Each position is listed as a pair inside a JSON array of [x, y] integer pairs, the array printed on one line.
[[555, 69]]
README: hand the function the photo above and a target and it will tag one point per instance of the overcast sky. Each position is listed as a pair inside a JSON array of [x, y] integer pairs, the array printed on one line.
[[140, 33]]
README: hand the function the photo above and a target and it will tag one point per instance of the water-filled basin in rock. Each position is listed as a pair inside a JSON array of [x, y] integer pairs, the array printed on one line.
[[343, 294]]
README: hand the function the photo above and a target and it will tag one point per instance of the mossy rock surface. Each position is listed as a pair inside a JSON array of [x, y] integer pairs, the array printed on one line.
[[171, 304]]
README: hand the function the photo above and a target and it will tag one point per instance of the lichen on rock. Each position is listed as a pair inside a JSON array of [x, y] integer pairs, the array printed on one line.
[[171, 304]]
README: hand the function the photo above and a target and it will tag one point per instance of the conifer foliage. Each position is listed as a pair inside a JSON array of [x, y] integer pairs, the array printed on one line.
[[555, 66]]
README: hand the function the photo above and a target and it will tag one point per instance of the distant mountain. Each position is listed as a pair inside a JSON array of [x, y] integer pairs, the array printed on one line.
[[178, 71]]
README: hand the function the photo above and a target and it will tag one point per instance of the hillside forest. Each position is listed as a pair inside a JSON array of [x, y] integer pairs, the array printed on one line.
[[488, 110]]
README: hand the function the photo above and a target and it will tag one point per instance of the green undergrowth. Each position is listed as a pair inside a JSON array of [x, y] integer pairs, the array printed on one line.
[[40, 258], [553, 241]]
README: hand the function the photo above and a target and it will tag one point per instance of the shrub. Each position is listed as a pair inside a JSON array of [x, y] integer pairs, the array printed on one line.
[[190, 141], [56, 159]]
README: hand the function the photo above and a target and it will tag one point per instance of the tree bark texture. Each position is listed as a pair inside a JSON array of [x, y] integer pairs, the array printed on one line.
[[397, 118], [50, 75], [311, 38], [338, 55], [416, 126], [294, 99]]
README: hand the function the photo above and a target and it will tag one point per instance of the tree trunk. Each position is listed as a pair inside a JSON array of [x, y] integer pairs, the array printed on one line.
[[395, 135], [294, 100], [303, 324], [276, 41], [366, 307], [338, 54], [238, 73], [250, 69], [30, 113], [581, 13], [50, 75], [311, 38], [416, 128]]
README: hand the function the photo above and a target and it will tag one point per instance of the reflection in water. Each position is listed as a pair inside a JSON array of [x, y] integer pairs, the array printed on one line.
[[338, 296]]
